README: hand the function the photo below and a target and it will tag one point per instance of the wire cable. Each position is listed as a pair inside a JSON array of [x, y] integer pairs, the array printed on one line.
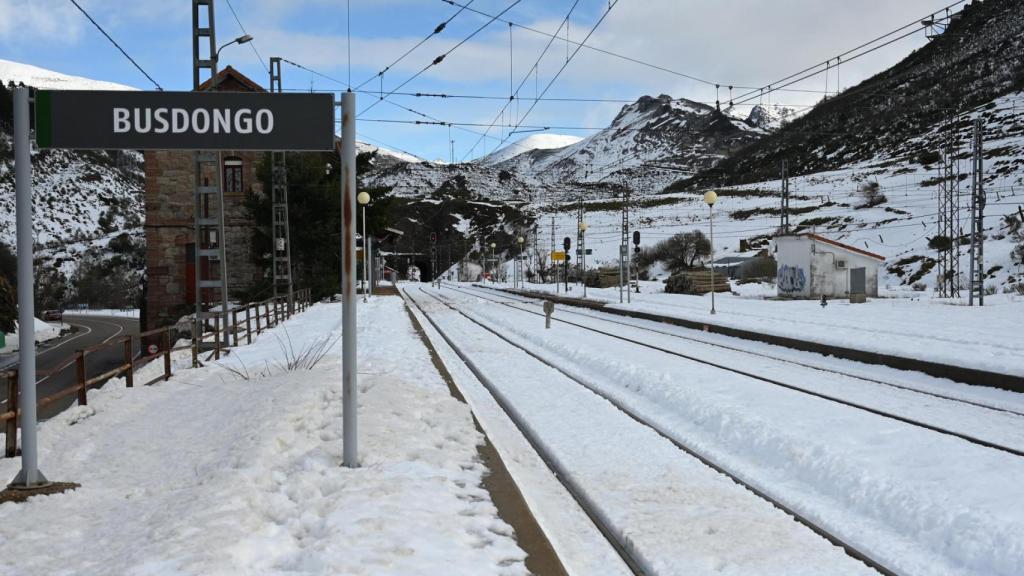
[[118, 46], [252, 44]]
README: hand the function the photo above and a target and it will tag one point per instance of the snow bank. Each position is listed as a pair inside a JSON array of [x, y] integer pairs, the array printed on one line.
[[44, 333], [235, 469]]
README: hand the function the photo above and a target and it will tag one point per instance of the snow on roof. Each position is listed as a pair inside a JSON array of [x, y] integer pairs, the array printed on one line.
[[846, 247]]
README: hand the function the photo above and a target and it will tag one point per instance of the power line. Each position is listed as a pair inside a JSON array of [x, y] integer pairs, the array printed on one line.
[[118, 46], [437, 30], [251, 43], [519, 122], [534, 67], [441, 58]]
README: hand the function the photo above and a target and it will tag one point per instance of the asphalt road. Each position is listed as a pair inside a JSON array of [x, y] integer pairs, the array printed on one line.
[[91, 330]]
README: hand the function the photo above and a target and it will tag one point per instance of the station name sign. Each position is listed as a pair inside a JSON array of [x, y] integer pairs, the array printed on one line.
[[115, 120]]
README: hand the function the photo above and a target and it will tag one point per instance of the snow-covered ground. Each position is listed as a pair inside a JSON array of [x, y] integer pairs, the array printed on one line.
[[985, 338], [921, 502], [235, 469], [45, 331]]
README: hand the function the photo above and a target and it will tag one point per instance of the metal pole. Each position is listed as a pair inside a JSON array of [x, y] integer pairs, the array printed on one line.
[[583, 259], [366, 256], [348, 278], [29, 476], [711, 211]]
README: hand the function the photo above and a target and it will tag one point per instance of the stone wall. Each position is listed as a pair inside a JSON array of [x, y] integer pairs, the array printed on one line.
[[170, 204]]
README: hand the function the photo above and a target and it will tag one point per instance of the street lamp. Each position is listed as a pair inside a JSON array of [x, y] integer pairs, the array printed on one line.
[[364, 198], [710, 198], [493, 262], [583, 256], [519, 264], [243, 39]]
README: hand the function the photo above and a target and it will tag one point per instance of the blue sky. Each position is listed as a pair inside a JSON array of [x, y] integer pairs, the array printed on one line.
[[739, 42]]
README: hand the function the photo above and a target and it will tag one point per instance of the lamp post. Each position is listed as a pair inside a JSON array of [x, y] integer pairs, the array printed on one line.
[[710, 198], [583, 256], [494, 268], [519, 264], [364, 198], [243, 39]]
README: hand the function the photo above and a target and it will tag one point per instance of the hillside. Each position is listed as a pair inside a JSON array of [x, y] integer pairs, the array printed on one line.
[[891, 115]]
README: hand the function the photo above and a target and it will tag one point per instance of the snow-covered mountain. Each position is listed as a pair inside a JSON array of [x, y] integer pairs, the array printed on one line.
[[649, 143], [88, 204], [42, 78], [533, 142], [379, 151], [772, 116]]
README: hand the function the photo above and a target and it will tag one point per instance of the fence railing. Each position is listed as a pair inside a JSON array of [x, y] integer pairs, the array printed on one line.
[[246, 322]]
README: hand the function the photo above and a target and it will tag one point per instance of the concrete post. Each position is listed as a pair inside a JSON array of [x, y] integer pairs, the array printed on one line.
[[350, 457]]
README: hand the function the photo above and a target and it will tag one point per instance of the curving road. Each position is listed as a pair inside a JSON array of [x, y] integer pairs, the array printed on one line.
[[90, 331]]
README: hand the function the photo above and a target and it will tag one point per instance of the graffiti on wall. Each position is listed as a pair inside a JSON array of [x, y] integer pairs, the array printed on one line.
[[791, 279]]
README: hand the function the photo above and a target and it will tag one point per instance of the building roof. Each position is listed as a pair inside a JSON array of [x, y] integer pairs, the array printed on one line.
[[232, 74], [846, 247]]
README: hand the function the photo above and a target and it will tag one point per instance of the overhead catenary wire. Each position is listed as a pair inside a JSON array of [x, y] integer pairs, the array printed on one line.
[[441, 57], [116, 45], [437, 30], [252, 43]]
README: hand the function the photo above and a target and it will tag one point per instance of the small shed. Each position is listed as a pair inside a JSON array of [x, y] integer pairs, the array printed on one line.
[[810, 265]]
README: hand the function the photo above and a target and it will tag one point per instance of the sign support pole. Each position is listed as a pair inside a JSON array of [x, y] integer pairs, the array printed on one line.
[[349, 390], [30, 476]]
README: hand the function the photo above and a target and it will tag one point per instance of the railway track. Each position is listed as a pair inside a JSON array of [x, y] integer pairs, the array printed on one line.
[[622, 543], [511, 301]]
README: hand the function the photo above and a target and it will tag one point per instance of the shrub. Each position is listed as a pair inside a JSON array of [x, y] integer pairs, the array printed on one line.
[[679, 284]]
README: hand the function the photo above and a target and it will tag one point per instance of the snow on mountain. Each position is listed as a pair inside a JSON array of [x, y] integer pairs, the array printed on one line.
[[534, 142], [364, 148], [649, 143], [42, 78], [772, 116]]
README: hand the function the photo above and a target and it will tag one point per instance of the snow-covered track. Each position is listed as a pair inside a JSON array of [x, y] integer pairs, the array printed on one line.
[[621, 542], [511, 301], [491, 293]]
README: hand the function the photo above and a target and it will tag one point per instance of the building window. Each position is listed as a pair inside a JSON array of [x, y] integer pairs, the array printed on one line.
[[232, 175]]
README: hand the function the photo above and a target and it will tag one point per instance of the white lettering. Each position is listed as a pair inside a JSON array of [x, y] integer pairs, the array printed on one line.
[[264, 121], [243, 121], [200, 121], [222, 121], [160, 116], [179, 120], [122, 123], [146, 114]]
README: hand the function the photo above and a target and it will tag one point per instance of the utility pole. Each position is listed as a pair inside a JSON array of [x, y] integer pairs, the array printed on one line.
[[624, 243], [579, 241], [210, 241], [29, 476], [554, 267], [282, 246], [349, 382], [977, 281], [784, 212]]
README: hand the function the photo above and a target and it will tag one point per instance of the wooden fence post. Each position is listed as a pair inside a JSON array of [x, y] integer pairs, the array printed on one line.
[[259, 330], [11, 427], [129, 378], [234, 327], [266, 308], [167, 354], [80, 369], [248, 326]]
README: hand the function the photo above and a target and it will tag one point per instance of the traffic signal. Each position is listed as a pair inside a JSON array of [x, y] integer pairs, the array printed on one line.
[[567, 243], [636, 237]]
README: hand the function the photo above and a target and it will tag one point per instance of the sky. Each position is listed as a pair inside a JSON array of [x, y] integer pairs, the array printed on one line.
[[751, 43]]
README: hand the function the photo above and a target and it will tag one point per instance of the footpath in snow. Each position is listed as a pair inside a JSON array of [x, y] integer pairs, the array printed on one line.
[[983, 338], [234, 468]]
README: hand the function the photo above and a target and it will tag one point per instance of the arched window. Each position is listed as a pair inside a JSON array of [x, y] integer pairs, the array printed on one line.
[[232, 175]]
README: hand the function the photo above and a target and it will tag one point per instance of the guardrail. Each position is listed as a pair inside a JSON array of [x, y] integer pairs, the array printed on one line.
[[255, 318]]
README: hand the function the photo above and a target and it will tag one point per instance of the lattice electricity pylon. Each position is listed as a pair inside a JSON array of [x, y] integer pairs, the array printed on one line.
[[951, 178], [977, 280], [211, 273], [280, 231]]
